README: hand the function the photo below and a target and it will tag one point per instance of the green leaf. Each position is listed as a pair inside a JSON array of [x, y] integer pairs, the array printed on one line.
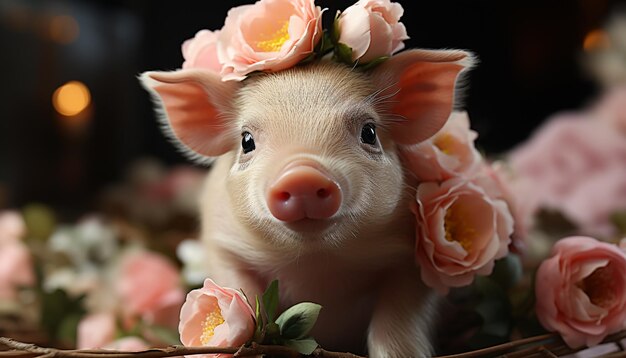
[[373, 63], [619, 220], [270, 300], [258, 332], [304, 346], [343, 53], [336, 30], [297, 321]]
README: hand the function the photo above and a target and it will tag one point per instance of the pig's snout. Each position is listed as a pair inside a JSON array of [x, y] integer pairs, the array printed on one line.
[[303, 192]]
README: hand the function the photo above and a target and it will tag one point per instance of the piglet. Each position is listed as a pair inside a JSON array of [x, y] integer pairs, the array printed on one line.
[[307, 187]]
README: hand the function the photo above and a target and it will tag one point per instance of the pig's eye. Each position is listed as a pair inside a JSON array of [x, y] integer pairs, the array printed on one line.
[[368, 134], [247, 142]]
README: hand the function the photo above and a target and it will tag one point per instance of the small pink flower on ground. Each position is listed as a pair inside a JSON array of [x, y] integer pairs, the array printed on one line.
[[201, 51], [95, 331], [581, 291], [448, 154], [461, 231], [215, 316], [148, 283], [128, 344], [270, 35], [372, 29]]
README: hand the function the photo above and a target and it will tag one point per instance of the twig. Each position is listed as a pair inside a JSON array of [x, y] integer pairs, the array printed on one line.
[[503, 347], [27, 350]]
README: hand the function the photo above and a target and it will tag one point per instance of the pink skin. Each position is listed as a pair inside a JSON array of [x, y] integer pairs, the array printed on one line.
[[302, 191]]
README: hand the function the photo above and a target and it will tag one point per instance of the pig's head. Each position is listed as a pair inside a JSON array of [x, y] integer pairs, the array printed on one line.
[[313, 148]]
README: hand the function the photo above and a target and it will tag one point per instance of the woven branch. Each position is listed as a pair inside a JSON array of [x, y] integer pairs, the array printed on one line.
[[547, 345]]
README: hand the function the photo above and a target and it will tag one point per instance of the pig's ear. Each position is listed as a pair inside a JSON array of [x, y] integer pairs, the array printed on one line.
[[419, 88], [196, 110]]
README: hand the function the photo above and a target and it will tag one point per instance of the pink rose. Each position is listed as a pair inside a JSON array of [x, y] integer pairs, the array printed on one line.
[[460, 232], [371, 28], [564, 153], [215, 316], [148, 285], [95, 331], [270, 35], [581, 291], [449, 153], [201, 51]]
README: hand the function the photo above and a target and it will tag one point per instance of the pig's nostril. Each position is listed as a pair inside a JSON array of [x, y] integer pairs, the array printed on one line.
[[323, 193], [284, 196]]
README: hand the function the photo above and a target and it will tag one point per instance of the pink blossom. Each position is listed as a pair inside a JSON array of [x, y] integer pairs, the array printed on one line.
[[148, 285], [201, 51], [460, 232], [448, 154], [12, 227], [565, 153], [270, 35], [96, 331], [581, 290], [372, 29], [215, 316]]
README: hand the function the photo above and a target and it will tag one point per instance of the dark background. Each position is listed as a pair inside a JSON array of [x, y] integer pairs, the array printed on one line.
[[529, 68]]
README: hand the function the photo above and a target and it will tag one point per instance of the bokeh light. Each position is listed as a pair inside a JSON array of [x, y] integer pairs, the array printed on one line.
[[63, 29], [596, 40], [71, 99]]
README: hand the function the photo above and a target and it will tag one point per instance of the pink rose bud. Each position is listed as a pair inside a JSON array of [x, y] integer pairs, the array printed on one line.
[[447, 154], [371, 28], [461, 231], [16, 264], [270, 35], [148, 284], [215, 316], [12, 227], [581, 291], [201, 51]]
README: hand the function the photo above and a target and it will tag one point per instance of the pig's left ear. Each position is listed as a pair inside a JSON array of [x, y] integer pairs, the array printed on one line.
[[195, 108], [419, 87]]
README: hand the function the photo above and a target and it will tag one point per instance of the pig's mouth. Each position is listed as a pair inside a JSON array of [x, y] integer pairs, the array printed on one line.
[[311, 227]]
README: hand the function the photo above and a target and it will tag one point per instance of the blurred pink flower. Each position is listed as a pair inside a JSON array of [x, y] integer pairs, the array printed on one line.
[[449, 153], [95, 331], [563, 156], [148, 286], [581, 291], [372, 29], [269, 35], [596, 199], [16, 266], [128, 344], [460, 232], [215, 316], [12, 227], [201, 51]]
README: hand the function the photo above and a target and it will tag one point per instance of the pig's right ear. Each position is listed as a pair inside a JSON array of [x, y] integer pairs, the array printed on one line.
[[196, 110]]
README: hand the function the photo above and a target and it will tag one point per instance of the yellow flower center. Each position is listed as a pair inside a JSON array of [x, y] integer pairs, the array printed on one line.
[[599, 287], [457, 228], [275, 41], [212, 320], [445, 143]]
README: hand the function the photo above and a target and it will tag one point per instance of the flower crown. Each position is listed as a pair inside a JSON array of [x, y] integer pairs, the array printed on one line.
[[273, 35]]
